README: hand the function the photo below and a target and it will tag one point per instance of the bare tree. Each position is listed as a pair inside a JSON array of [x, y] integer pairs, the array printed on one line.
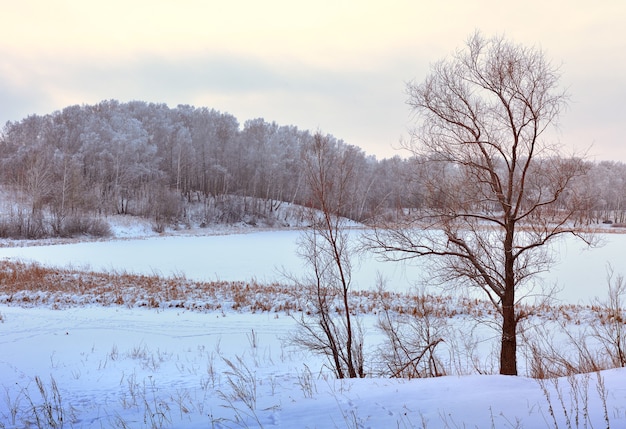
[[501, 191], [331, 328]]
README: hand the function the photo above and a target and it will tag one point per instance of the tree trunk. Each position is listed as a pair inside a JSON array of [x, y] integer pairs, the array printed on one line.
[[508, 351]]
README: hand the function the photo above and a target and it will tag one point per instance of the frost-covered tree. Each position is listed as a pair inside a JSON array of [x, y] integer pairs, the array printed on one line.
[[498, 189]]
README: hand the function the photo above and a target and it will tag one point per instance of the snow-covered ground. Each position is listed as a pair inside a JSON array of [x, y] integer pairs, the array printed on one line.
[[132, 367], [118, 367]]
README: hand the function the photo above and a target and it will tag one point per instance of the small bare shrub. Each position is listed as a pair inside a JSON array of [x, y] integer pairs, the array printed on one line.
[[166, 209], [22, 225], [551, 357], [81, 225], [598, 344], [411, 339], [610, 331]]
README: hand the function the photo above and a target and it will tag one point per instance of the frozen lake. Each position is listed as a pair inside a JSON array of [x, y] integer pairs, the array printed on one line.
[[265, 255]]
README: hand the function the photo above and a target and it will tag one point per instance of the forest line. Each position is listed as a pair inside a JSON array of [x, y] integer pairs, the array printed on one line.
[[62, 171]]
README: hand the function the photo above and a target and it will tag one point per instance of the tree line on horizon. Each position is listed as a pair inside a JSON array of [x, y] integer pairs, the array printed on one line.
[[62, 170]]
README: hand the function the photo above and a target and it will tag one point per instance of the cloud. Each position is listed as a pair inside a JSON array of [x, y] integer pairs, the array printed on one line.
[[339, 65]]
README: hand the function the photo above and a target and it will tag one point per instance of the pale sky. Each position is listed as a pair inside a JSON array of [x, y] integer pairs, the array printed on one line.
[[339, 66]]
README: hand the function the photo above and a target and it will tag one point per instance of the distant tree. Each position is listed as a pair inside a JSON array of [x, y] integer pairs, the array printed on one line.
[[67, 189], [606, 183], [498, 190], [35, 180]]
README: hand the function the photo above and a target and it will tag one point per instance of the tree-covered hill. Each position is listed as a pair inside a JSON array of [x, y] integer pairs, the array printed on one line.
[[62, 171]]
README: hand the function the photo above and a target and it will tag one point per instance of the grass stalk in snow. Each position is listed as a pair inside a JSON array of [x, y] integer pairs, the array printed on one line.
[[49, 411], [13, 406], [156, 410], [571, 405], [306, 382], [242, 383]]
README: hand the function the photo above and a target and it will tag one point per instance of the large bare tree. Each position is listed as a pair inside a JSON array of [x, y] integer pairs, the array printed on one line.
[[499, 189]]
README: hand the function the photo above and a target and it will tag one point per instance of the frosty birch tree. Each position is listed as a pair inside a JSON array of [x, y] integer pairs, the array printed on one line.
[[504, 191]]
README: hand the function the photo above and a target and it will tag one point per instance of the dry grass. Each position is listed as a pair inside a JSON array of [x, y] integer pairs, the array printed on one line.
[[31, 284]]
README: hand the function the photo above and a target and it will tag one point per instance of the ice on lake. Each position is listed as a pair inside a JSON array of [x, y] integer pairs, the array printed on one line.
[[265, 256]]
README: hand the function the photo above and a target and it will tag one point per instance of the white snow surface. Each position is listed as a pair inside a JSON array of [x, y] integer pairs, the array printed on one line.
[[152, 368], [118, 367]]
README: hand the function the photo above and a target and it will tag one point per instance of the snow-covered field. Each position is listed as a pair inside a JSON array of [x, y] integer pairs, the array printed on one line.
[[143, 368], [135, 367]]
